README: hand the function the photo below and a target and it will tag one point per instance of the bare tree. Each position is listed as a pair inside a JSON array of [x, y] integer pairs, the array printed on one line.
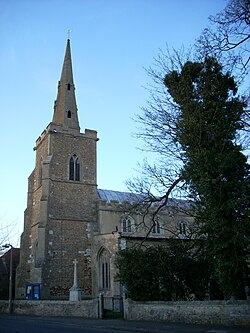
[[7, 232], [225, 44], [228, 37], [157, 127]]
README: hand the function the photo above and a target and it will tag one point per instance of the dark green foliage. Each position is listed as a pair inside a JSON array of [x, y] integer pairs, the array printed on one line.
[[215, 169], [195, 125], [163, 273]]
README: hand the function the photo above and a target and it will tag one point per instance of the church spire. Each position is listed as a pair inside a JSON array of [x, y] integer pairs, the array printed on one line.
[[65, 110]]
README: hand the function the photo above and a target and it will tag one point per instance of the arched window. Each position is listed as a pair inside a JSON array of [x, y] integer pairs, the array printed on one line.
[[69, 114], [104, 269], [156, 228], [182, 228], [74, 168], [127, 224]]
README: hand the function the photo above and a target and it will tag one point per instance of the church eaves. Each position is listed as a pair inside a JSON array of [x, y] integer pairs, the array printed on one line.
[[65, 109]]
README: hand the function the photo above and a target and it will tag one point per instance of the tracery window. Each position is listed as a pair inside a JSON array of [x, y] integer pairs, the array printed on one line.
[[182, 228], [104, 269], [74, 168], [127, 224]]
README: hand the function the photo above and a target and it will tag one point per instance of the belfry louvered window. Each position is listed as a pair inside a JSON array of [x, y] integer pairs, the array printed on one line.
[[74, 168]]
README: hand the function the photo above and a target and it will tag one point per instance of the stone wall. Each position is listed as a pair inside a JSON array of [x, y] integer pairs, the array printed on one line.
[[209, 312], [195, 312], [84, 309]]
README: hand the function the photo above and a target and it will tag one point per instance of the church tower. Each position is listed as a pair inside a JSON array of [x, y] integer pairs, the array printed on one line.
[[62, 194]]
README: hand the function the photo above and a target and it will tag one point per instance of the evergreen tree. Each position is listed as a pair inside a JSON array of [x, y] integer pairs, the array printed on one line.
[[163, 273], [214, 167]]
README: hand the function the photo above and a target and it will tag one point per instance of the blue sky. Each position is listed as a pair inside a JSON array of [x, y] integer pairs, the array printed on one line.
[[112, 41]]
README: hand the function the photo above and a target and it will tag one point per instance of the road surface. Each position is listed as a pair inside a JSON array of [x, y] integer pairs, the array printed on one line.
[[33, 324]]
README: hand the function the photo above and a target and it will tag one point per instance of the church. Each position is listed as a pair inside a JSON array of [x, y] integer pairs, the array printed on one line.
[[69, 218]]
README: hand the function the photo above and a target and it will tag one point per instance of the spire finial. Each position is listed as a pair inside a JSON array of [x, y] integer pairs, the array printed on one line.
[[69, 32]]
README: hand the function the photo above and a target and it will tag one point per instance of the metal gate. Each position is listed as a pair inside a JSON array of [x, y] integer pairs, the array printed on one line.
[[112, 306]]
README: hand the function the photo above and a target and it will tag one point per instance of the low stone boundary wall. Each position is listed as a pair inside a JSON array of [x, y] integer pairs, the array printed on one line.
[[206, 312], [84, 308]]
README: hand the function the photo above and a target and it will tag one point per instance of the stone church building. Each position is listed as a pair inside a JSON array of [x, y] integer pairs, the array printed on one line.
[[68, 217]]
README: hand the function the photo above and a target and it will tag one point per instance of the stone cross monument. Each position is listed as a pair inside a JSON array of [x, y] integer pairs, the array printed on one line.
[[75, 292]]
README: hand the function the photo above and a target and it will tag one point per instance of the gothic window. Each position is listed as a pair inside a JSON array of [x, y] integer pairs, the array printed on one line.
[[69, 114], [182, 228], [74, 168], [104, 269], [127, 224], [68, 86], [156, 229]]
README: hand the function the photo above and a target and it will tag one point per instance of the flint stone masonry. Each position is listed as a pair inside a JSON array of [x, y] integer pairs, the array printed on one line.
[[195, 312], [84, 308], [192, 312]]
